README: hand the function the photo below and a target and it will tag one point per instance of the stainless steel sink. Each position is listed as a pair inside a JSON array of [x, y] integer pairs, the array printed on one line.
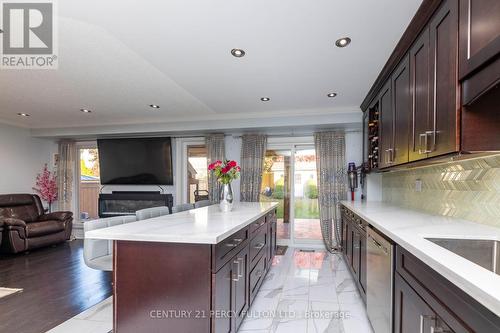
[[485, 253]]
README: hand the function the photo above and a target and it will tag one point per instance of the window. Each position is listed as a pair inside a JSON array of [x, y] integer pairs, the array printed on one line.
[[197, 176], [88, 183]]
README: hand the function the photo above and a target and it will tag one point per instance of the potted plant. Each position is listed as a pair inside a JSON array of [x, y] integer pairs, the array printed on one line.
[[225, 172], [46, 186]]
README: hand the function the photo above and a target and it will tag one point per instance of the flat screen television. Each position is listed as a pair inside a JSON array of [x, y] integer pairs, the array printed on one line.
[[139, 161]]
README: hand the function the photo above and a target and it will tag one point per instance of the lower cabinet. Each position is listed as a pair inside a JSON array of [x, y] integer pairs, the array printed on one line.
[[237, 281], [354, 247], [426, 302], [412, 314]]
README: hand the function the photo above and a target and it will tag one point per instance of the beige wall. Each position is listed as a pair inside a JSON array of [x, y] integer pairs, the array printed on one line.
[[466, 189]]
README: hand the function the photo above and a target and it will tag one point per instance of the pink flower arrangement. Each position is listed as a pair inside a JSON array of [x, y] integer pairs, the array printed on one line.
[[46, 186], [226, 171]]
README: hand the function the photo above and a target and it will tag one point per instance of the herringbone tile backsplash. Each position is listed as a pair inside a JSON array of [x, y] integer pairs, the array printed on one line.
[[465, 189]]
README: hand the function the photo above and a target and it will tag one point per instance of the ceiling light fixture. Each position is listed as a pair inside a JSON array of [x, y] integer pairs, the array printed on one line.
[[23, 114], [343, 42], [265, 99], [86, 110], [154, 106], [238, 53], [332, 95]]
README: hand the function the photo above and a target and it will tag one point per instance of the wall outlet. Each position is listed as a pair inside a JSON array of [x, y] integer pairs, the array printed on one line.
[[418, 185]]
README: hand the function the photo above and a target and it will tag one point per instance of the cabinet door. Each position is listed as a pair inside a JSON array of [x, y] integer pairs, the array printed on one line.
[[479, 33], [362, 262], [401, 110], [223, 303], [386, 137], [420, 72], [412, 314], [355, 250], [344, 233], [241, 284], [349, 243], [444, 87]]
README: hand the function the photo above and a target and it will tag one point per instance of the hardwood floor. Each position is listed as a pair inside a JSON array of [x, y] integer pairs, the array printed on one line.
[[57, 286]]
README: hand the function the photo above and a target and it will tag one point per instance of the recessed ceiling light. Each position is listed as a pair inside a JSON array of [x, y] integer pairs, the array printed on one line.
[[86, 110], [343, 42], [265, 99], [238, 53], [332, 95], [154, 106], [23, 114]]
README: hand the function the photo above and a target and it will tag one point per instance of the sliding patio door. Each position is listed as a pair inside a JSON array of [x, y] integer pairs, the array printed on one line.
[[290, 179]]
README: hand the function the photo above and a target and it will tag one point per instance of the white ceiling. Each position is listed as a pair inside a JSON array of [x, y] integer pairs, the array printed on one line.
[[117, 57]]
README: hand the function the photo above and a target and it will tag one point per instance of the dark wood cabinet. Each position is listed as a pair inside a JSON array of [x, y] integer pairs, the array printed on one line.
[[231, 300], [239, 279], [420, 87], [401, 110], [479, 34], [395, 115], [424, 297], [412, 314], [438, 93], [444, 80], [223, 300], [241, 264], [386, 136], [362, 262], [354, 247]]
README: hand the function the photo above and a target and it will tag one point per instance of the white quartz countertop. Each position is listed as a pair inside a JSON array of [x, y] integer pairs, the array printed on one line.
[[410, 228], [207, 225]]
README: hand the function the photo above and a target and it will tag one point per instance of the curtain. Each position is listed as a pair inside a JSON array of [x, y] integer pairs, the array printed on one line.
[[215, 151], [253, 150], [65, 168], [332, 184]]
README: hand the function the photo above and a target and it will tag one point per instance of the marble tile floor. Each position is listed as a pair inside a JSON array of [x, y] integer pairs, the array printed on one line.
[[304, 292]]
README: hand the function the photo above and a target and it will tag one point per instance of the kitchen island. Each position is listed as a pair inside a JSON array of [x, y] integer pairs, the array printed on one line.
[[194, 271]]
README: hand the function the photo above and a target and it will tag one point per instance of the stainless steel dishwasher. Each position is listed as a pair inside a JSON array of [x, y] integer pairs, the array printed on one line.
[[380, 279]]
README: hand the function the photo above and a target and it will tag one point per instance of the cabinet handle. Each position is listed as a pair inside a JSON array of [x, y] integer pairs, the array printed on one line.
[[422, 321], [231, 245], [258, 273], [236, 277], [426, 142], [240, 274], [259, 246], [439, 330]]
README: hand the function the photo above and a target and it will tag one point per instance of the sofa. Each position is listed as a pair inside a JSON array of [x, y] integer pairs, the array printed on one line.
[[26, 226]]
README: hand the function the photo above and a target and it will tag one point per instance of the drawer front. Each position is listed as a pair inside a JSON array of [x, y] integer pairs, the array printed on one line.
[[257, 276], [259, 243], [255, 226], [271, 216], [229, 247]]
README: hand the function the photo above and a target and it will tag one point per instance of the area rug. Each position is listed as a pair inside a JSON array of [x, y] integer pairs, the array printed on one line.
[[4, 292], [281, 250]]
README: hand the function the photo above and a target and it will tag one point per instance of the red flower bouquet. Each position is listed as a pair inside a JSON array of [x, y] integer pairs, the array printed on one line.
[[226, 171]]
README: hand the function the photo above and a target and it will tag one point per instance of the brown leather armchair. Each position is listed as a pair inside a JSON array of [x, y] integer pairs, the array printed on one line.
[[26, 226]]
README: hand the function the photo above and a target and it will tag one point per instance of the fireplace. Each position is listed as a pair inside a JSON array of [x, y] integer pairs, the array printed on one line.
[[127, 203]]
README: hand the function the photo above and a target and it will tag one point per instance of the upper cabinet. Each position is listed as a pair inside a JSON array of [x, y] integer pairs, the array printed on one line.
[[479, 34], [437, 93], [445, 106], [479, 47]]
